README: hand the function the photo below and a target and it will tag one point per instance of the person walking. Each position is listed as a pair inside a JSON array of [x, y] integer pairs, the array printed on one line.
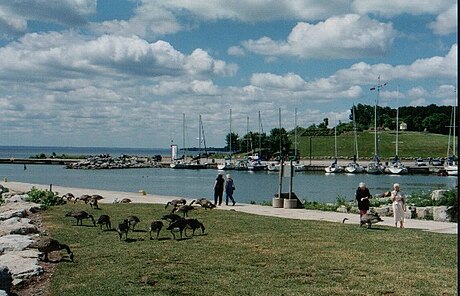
[[229, 188], [362, 197], [399, 205], [218, 189]]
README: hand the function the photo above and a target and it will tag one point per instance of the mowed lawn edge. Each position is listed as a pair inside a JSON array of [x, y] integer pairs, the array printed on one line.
[[245, 254]]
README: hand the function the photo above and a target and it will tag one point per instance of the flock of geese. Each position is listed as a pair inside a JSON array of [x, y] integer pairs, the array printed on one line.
[[176, 223]]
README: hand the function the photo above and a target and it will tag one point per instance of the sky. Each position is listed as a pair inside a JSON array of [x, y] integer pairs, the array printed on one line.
[[125, 73]]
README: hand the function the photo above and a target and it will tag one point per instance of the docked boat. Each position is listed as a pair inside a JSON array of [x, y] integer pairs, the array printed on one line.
[[396, 167], [228, 163], [334, 167], [451, 163], [187, 165], [354, 167], [375, 167], [275, 167], [255, 164]]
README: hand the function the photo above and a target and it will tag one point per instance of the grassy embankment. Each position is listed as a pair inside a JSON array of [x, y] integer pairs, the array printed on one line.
[[243, 254], [411, 145]]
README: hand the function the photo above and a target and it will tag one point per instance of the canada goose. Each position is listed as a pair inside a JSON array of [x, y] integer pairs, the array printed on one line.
[[48, 245], [68, 196], [194, 224], [80, 215], [176, 202], [96, 197], [171, 218], [84, 197], [104, 220], [93, 203], [370, 219], [123, 228], [125, 200], [184, 209], [205, 203], [132, 221], [177, 226], [155, 226]]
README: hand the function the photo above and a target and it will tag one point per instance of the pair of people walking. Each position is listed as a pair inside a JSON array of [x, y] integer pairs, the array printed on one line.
[[397, 197], [222, 184]]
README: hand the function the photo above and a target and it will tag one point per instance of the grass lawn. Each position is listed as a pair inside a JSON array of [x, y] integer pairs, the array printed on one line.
[[243, 254]]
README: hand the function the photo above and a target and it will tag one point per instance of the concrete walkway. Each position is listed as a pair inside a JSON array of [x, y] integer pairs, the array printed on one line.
[[303, 214]]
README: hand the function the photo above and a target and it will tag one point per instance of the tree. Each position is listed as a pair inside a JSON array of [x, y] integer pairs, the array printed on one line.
[[234, 141], [277, 135], [436, 123]]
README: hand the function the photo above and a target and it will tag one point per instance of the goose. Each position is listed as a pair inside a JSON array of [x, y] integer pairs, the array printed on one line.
[[48, 245], [84, 197], [205, 203], [123, 228], [80, 215], [104, 220], [132, 221], [194, 224], [155, 226], [68, 196], [184, 209], [171, 218], [93, 203], [176, 202]]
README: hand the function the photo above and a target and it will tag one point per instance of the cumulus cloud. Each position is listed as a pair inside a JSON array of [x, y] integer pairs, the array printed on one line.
[[346, 36], [396, 7], [56, 55], [446, 22]]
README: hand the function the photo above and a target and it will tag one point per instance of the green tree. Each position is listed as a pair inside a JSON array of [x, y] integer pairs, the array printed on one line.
[[436, 123], [278, 135], [234, 138]]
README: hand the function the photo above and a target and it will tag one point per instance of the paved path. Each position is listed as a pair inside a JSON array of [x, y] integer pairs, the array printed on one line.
[[137, 197]]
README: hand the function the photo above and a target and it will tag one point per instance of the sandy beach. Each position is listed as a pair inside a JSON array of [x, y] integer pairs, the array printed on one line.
[[303, 214]]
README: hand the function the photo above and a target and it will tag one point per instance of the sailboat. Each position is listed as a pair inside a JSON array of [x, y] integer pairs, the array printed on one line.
[[396, 167], [354, 167], [334, 167], [254, 162], [451, 164], [228, 163], [376, 167], [182, 163]]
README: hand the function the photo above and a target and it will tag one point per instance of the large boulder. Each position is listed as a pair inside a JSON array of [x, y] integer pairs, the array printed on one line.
[[10, 213], [14, 242], [17, 225], [22, 264], [424, 212], [440, 214]]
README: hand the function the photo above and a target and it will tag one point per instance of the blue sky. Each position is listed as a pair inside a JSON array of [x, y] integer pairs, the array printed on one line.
[[121, 73]]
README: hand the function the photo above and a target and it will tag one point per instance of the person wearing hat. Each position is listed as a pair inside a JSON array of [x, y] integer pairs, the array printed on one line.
[[399, 205], [229, 188], [362, 197]]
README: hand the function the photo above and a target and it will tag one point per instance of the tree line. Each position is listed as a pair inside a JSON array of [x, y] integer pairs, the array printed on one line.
[[431, 118]]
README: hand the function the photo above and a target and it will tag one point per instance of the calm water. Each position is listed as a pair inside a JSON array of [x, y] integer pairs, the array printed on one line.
[[250, 186]]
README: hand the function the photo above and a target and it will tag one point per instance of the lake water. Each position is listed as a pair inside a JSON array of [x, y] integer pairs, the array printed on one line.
[[250, 186]]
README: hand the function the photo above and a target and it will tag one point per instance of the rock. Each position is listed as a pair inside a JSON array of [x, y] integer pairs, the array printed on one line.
[[5, 215], [6, 280], [424, 212], [17, 226], [14, 242], [342, 209], [440, 214], [438, 194], [22, 264], [382, 211]]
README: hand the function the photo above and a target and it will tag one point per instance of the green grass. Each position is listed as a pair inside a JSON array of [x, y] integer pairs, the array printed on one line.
[[243, 254], [411, 145]]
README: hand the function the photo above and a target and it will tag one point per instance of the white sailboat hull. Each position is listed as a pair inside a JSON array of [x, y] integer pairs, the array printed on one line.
[[333, 169], [354, 168], [452, 170], [374, 168], [396, 170]]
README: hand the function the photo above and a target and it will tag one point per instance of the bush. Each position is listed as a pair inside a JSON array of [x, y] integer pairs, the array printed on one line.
[[450, 199], [44, 197]]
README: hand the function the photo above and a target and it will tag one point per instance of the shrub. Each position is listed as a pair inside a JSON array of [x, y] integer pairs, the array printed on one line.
[[44, 197]]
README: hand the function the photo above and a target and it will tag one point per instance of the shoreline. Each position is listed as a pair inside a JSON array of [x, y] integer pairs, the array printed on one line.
[[301, 214]]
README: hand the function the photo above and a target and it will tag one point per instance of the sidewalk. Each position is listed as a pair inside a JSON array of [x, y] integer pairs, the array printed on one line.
[[110, 196]]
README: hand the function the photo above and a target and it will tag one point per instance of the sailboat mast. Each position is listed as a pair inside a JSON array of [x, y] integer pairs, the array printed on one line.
[[247, 135], [260, 135], [230, 144], [397, 123], [183, 135], [199, 135], [356, 135], [335, 140], [295, 133]]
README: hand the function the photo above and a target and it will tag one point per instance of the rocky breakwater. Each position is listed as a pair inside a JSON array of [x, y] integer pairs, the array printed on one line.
[[106, 161], [18, 262]]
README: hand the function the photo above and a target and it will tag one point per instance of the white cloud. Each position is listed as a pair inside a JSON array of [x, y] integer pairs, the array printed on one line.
[[446, 22], [347, 36], [57, 56], [236, 51], [397, 7]]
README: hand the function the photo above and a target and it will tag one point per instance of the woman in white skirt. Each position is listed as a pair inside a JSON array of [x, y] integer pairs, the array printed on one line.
[[399, 205]]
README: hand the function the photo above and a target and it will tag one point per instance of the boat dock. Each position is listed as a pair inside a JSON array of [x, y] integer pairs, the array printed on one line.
[[310, 166]]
